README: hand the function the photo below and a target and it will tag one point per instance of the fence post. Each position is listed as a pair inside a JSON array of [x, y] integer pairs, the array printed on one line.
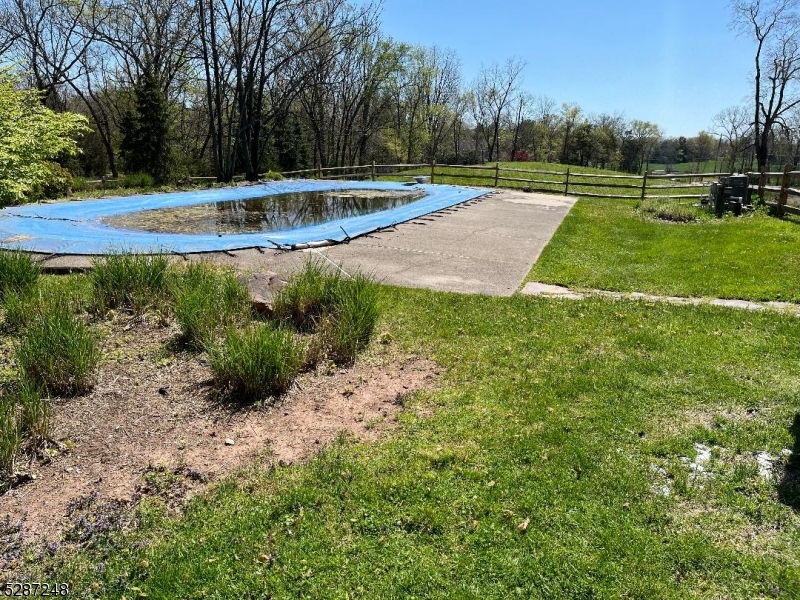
[[762, 182], [433, 171], [373, 170], [644, 185], [496, 173], [786, 181], [566, 184]]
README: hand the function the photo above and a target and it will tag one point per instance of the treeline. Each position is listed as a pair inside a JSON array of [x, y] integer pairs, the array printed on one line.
[[174, 88]]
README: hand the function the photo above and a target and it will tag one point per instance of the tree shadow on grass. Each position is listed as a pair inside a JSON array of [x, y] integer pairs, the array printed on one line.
[[789, 485]]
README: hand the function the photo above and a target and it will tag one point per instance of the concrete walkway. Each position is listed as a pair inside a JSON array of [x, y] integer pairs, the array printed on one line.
[[534, 288], [485, 246]]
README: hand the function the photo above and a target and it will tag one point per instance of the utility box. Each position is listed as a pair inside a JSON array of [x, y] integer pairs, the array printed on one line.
[[729, 193]]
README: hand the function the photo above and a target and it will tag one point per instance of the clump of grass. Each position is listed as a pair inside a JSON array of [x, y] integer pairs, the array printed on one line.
[[309, 296], [668, 210], [10, 437], [342, 309], [258, 361], [57, 353], [207, 300], [35, 417], [353, 321], [71, 294], [137, 180], [131, 281], [18, 272]]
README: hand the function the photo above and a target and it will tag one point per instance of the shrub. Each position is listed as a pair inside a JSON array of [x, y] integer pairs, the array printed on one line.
[[127, 280], [208, 299], [10, 436], [271, 176], [31, 134], [79, 184], [137, 180], [57, 353], [58, 182], [18, 272], [255, 362]]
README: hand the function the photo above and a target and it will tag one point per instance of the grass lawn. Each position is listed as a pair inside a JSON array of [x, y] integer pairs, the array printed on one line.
[[606, 244], [553, 462]]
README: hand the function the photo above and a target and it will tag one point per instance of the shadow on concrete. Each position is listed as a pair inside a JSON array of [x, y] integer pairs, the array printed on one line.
[[789, 485]]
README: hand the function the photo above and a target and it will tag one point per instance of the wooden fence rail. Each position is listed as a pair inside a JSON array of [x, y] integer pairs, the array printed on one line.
[[541, 180]]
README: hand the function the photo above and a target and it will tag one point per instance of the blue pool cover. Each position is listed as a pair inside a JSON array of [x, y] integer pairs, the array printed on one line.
[[77, 227]]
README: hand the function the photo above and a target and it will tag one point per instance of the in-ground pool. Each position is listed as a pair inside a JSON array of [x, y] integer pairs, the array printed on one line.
[[223, 219], [274, 212]]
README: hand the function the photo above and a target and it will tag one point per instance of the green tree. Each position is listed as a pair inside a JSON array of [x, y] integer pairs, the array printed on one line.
[[31, 136], [145, 131]]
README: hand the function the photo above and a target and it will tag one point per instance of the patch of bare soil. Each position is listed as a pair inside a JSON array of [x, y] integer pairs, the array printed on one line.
[[155, 411]]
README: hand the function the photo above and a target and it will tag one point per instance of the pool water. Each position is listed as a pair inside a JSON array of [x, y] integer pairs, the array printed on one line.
[[264, 214]]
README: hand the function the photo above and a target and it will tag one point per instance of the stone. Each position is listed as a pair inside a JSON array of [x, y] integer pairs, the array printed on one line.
[[262, 288]]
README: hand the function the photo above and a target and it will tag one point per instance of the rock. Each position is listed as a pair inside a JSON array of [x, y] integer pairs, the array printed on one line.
[[229, 442], [262, 288]]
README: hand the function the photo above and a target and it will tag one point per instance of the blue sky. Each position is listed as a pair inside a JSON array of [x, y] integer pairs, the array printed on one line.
[[673, 62]]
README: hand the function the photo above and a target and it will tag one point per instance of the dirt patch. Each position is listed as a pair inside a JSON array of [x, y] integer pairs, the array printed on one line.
[[153, 424]]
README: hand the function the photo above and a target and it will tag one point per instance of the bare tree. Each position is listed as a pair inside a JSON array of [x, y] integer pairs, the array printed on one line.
[[546, 124], [493, 90], [253, 57], [342, 96], [776, 28], [570, 113], [523, 107], [734, 126], [48, 40], [440, 94], [152, 35]]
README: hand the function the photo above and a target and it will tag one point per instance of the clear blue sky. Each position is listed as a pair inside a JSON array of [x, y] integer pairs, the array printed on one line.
[[673, 62]]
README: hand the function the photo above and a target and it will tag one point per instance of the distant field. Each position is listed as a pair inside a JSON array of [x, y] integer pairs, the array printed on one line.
[[708, 166]]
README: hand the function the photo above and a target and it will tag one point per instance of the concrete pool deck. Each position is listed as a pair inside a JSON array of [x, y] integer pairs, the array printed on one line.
[[484, 246]]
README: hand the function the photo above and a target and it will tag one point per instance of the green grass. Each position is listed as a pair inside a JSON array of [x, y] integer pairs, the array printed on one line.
[[70, 293], [552, 414], [255, 362], [35, 412], [309, 296], [130, 281], [57, 353], [352, 322], [10, 438], [340, 308], [207, 300], [609, 245], [18, 272]]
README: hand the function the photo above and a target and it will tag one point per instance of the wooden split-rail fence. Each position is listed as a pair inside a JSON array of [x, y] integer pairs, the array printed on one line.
[[780, 185], [570, 182]]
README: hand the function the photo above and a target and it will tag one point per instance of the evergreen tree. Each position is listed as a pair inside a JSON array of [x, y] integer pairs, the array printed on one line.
[[145, 131]]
